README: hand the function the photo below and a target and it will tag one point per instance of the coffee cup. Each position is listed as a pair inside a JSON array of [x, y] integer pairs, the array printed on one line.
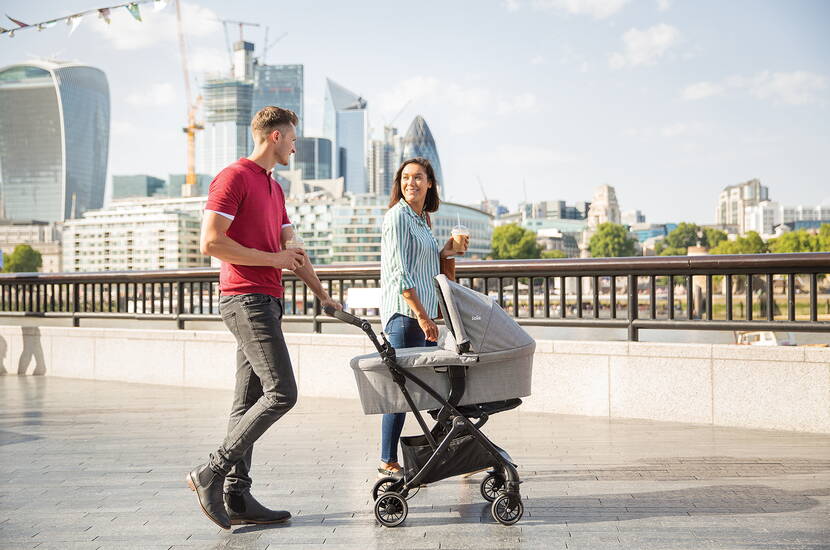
[[295, 242], [460, 238]]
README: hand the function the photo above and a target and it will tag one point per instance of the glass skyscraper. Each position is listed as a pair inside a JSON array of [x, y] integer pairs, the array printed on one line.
[[418, 142], [313, 158], [227, 134], [279, 85], [54, 143], [346, 124]]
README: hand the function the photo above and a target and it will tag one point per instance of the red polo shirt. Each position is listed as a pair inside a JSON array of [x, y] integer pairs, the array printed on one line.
[[245, 193]]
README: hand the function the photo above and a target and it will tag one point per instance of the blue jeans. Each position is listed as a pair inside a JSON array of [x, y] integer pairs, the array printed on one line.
[[402, 332]]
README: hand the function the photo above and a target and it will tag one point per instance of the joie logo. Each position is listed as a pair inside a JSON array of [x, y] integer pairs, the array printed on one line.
[[476, 317]]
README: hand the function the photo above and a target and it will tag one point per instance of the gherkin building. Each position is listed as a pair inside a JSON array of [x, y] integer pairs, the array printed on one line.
[[418, 142]]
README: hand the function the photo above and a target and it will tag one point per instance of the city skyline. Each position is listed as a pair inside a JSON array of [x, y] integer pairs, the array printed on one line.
[[656, 98]]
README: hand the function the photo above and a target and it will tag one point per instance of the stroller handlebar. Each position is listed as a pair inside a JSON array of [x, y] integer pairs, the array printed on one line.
[[346, 317]]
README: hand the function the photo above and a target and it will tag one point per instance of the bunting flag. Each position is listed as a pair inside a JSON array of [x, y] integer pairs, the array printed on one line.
[[73, 23], [20, 24], [134, 11], [75, 19]]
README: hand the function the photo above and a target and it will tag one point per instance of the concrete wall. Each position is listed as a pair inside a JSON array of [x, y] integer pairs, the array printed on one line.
[[782, 388]]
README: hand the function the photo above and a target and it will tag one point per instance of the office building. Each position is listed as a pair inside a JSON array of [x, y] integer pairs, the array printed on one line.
[[175, 183], [384, 161], [766, 215], [140, 185], [44, 237], [136, 234], [227, 106], [553, 239], [633, 217], [418, 142], [313, 158], [281, 86], [555, 209], [734, 200], [346, 124], [55, 120]]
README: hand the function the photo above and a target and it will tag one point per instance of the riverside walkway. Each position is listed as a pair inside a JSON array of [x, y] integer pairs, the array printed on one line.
[[98, 465]]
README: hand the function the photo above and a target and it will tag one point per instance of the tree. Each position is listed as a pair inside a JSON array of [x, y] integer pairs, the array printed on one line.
[[23, 258], [802, 241], [795, 241], [611, 240], [713, 237], [554, 254], [751, 243], [514, 242], [685, 235]]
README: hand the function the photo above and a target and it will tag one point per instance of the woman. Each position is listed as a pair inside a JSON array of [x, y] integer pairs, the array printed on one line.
[[408, 263]]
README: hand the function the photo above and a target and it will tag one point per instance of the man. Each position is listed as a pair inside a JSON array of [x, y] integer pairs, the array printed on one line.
[[246, 226]]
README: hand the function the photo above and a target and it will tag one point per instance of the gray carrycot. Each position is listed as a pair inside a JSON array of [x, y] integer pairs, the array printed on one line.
[[497, 352]]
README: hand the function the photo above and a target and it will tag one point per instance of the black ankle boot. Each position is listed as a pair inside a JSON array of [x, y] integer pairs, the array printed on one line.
[[208, 487], [244, 508]]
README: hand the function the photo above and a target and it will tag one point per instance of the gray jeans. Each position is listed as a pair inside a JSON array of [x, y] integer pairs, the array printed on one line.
[[265, 387]]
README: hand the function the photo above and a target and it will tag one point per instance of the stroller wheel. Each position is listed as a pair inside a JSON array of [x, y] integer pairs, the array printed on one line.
[[491, 486], [391, 509], [386, 484], [504, 513]]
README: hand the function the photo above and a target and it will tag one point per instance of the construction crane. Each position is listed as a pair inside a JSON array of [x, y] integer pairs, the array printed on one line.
[[189, 189], [241, 24], [267, 46]]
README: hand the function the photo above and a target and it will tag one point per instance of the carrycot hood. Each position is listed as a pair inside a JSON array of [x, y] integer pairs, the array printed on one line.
[[476, 318]]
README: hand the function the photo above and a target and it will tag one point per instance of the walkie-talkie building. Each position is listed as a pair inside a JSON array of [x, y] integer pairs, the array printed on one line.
[[418, 142], [54, 143]]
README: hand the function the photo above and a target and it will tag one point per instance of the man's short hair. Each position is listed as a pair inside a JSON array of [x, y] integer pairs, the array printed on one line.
[[270, 118]]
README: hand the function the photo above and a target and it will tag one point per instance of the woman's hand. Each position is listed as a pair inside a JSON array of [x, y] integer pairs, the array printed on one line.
[[429, 327], [448, 250]]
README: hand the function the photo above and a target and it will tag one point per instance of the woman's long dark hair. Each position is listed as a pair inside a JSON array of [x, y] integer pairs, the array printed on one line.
[[432, 201]]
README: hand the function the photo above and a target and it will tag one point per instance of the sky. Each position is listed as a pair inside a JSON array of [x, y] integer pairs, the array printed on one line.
[[668, 101]]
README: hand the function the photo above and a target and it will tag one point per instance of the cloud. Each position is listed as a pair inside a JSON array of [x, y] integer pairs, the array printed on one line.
[[208, 60], [511, 5], [674, 130], [125, 33], [663, 5], [537, 60], [701, 90], [522, 103], [599, 9], [469, 108], [795, 88], [155, 95], [792, 88], [122, 128], [645, 47]]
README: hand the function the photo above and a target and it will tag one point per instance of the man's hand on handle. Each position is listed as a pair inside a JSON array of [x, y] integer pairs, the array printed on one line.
[[329, 302]]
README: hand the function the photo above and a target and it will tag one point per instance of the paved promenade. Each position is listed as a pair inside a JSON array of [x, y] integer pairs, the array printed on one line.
[[99, 465]]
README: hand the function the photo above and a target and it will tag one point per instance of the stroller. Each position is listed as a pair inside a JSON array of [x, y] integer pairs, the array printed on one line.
[[483, 367]]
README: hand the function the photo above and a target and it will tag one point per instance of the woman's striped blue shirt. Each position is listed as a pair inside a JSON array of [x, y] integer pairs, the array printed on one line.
[[408, 259]]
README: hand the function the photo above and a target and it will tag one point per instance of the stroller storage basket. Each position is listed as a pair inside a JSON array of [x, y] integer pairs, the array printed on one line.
[[464, 455]]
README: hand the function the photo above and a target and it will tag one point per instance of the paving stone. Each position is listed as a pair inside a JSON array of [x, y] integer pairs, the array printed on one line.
[[107, 471]]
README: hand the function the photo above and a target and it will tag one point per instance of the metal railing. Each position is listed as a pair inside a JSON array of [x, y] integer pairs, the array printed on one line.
[[786, 292]]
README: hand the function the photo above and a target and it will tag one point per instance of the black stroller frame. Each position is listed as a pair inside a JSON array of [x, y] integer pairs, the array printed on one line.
[[501, 485]]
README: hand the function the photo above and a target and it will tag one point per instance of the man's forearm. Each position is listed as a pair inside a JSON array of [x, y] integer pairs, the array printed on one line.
[[230, 251], [309, 277]]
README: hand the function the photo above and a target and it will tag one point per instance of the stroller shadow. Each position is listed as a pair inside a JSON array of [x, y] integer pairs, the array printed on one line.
[[717, 500]]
